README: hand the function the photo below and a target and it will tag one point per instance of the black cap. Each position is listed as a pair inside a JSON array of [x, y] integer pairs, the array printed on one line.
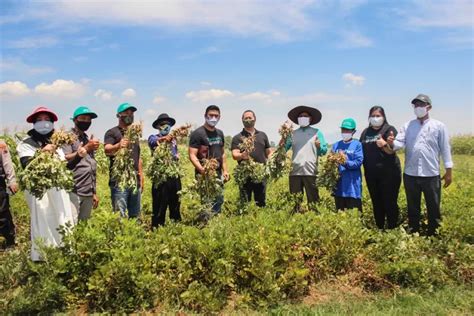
[[161, 118]]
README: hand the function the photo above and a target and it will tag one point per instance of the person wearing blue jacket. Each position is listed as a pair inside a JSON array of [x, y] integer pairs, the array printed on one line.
[[348, 193]]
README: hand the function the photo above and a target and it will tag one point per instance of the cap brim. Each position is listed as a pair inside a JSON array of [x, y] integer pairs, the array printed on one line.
[[31, 118], [91, 114], [158, 121], [134, 109], [315, 114]]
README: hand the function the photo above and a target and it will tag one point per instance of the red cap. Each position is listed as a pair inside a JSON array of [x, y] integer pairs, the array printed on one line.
[[41, 109]]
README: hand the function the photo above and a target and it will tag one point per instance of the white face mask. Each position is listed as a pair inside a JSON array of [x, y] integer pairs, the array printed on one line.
[[303, 121], [43, 127], [346, 136], [421, 111], [212, 121], [376, 121]]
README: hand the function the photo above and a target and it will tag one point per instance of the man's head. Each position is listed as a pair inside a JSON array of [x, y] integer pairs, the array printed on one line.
[[421, 105], [164, 123], [125, 113], [348, 128], [82, 118], [249, 118], [304, 115], [212, 115]]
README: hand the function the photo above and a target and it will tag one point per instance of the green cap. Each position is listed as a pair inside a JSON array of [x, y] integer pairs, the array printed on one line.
[[83, 110], [348, 123], [124, 107]]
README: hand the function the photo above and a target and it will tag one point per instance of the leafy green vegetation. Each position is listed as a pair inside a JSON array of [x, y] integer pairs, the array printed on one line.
[[249, 259]]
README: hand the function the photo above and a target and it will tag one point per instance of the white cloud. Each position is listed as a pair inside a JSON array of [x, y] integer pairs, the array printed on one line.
[[205, 83], [61, 88], [13, 88], [207, 95], [17, 67], [451, 14], [321, 97], [257, 96], [104, 95], [158, 99], [129, 93], [32, 42], [278, 20], [353, 80], [354, 39], [151, 113]]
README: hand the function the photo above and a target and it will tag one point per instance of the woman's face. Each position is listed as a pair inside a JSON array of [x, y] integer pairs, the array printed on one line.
[[376, 113], [43, 117]]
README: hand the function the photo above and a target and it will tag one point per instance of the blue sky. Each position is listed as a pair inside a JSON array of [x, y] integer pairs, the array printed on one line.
[[179, 56]]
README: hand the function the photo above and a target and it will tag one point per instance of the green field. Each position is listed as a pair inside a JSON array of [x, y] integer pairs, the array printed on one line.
[[250, 260]]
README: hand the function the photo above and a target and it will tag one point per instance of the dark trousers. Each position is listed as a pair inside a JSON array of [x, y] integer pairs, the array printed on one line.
[[7, 228], [258, 190], [347, 203], [383, 189], [306, 183], [163, 196], [431, 189]]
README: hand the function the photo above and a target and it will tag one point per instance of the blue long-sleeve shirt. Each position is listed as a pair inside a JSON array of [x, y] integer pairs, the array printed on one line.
[[350, 182], [153, 143]]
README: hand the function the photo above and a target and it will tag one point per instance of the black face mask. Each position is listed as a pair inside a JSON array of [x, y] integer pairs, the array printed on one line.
[[83, 126], [127, 119]]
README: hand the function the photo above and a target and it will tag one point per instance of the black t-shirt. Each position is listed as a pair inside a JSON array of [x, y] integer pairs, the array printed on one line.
[[210, 144], [261, 144], [375, 159], [114, 136]]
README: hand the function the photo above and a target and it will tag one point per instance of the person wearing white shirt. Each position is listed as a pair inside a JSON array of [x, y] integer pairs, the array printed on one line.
[[425, 140]]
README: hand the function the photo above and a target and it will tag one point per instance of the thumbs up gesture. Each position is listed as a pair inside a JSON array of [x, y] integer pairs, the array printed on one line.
[[381, 142], [390, 138], [317, 142], [92, 145]]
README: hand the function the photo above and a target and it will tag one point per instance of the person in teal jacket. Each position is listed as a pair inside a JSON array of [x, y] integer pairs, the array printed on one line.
[[307, 144], [348, 193]]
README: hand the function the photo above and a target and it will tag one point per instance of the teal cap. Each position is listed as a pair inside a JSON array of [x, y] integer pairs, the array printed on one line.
[[348, 123], [124, 107], [83, 110]]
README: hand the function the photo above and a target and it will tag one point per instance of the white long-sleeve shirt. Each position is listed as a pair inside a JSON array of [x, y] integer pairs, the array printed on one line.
[[424, 143]]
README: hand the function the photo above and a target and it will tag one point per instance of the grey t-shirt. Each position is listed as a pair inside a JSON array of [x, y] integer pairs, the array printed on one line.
[[84, 169]]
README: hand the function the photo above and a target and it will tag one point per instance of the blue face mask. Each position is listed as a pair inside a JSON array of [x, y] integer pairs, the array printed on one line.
[[164, 130], [43, 127]]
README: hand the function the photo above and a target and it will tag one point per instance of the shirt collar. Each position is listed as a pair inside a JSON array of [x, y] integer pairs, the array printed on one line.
[[246, 134]]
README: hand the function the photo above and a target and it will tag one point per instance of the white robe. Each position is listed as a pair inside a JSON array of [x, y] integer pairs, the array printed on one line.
[[49, 212]]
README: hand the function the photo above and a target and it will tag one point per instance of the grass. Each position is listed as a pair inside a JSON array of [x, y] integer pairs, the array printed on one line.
[[326, 298]]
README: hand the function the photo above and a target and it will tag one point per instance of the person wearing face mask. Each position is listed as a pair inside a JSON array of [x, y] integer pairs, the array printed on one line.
[[425, 140], [381, 169], [348, 192], [260, 154], [208, 142], [166, 193], [8, 185], [128, 199], [81, 161], [307, 144], [53, 210]]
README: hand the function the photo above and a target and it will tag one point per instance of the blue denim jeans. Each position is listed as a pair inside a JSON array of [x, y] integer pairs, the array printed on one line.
[[126, 199], [217, 204]]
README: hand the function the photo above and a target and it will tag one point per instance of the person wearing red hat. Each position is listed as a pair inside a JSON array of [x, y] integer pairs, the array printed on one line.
[[54, 208]]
